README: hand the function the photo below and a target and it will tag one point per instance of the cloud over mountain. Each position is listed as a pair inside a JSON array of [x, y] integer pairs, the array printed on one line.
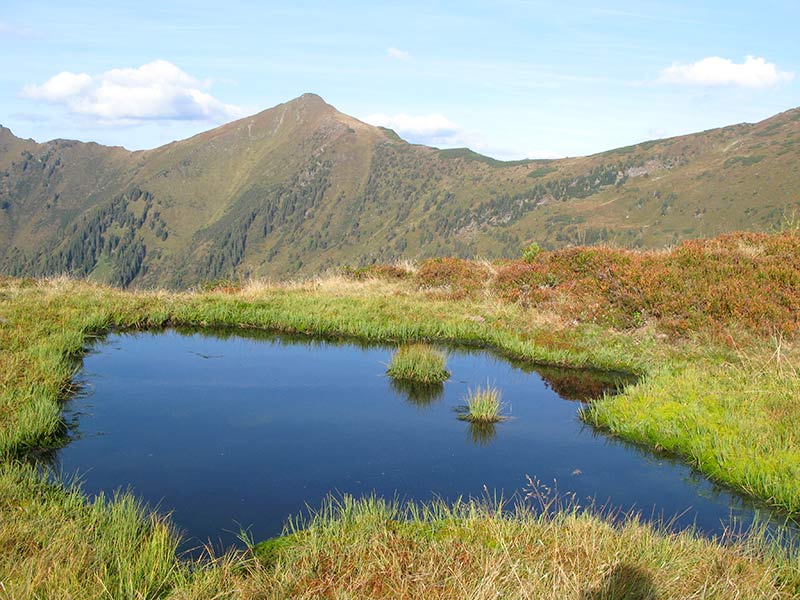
[[754, 72], [158, 90], [434, 129], [432, 125]]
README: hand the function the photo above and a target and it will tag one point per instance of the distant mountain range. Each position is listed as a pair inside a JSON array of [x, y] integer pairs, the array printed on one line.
[[302, 187]]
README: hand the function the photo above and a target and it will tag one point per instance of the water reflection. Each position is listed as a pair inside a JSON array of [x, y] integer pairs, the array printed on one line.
[[481, 434], [583, 385], [419, 394], [572, 384]]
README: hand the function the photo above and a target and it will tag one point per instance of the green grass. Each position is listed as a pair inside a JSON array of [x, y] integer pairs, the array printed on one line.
[[420, 363], [729, 408], [54, 544], [483, 405], [738, 424]]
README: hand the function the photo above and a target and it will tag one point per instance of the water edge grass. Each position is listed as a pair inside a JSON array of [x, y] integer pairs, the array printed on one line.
[[60, 545]]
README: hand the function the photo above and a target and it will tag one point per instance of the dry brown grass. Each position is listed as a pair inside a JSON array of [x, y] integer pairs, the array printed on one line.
[[373, 549]]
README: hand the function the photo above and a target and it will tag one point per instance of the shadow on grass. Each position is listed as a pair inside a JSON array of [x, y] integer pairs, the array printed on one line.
[[623, 582]]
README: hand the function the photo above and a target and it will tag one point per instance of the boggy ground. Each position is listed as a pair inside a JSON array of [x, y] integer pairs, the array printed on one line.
[[709, 326]]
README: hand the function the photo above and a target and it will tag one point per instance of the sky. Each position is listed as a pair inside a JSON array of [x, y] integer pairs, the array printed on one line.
[[508, 78]]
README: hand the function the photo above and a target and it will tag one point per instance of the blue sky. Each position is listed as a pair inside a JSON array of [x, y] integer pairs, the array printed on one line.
[[509, 78]]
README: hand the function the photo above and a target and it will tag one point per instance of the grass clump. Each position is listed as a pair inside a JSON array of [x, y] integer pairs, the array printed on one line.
[[420, 363], [55, 544], [483, 406]]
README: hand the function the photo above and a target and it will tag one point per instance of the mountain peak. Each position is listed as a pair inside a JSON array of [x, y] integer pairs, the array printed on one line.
[[301, 187], [310, 101], [311, 97]]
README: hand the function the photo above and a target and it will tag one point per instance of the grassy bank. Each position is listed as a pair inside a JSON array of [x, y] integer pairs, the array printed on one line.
[[56, 545], [724, 397]]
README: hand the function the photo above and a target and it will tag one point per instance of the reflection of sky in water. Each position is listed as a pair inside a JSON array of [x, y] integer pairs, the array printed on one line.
[[226, 431]]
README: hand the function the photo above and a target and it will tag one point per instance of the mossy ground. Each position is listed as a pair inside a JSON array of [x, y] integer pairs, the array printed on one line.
[[725, 398]]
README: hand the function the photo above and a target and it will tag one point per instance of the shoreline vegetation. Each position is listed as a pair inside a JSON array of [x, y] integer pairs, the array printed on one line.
[[710, 328]]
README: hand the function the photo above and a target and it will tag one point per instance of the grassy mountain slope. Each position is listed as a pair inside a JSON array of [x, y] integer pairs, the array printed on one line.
[[301, 187]]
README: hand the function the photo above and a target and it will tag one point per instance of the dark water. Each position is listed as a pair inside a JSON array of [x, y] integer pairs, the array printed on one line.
[[228, 432]]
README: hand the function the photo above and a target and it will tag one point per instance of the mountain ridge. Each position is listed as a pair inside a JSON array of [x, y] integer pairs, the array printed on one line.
[[302, 187]]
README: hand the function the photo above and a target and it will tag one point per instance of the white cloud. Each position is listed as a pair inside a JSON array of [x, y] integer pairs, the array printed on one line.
[[397, 53], [419, 126], [60, 88], [156, 91], [754, 72], [436, 130]]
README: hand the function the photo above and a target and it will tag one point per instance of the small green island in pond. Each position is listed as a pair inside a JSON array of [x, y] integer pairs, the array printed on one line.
[[483, 406], [419, 363]]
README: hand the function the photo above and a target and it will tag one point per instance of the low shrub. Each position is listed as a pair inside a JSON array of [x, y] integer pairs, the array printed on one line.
[[530, 252], [737, 281], [460, 277], [223, 286]]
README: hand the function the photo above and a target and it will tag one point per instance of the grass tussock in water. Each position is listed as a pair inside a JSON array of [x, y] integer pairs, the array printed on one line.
[[483, 406], [420, 363]]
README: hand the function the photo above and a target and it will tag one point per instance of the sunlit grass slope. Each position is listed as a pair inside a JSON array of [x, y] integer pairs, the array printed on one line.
[[302, 187], [53, 544]]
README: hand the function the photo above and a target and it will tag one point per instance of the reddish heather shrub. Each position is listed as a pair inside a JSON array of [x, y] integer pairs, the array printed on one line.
[[460, 277], [525, 282], [743, 280]]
